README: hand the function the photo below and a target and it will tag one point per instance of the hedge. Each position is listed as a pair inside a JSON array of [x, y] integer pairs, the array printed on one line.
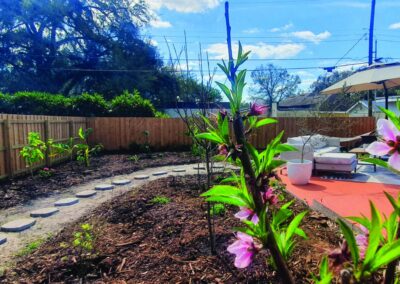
[[37, 103]]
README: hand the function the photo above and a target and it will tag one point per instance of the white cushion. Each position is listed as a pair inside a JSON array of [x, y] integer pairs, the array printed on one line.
[[336, 158], [318, 141], [295, 140], [327, 150]]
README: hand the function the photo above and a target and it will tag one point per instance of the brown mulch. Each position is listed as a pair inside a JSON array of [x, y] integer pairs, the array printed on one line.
[[140, 242], [21, 190]]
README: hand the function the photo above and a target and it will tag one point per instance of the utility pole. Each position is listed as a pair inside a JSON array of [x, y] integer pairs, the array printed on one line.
[[371, 51]]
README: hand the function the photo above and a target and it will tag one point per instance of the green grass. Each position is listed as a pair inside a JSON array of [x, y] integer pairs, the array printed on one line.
[[160, 200]]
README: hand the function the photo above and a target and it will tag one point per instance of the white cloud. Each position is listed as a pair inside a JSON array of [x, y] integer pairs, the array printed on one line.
[[184, 6], [310, 36], [395, 26], [260, 50], [252, 31], [283, 28], [158, 23], [153, 42]]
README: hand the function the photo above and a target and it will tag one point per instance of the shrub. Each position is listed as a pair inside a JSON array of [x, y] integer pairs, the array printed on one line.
[[90, 105], [129, 104], [5, 104], [34, 151], [39, 103]]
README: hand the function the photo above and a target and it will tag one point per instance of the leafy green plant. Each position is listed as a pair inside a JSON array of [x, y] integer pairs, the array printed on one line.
[[218, 209], [134, 158], [30, 247], [132, 104], [45, 173], [83, 150], [160, 200], [325, 276], [67, 148], [83, 240], [34, 152]]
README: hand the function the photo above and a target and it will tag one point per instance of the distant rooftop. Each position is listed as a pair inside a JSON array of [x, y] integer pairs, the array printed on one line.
[[302, 101], [194, 105]]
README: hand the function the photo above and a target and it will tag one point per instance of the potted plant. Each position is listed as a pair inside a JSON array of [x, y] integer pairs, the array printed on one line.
[[299, 170]]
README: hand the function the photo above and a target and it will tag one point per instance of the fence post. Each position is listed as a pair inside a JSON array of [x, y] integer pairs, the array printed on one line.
[[71, 129], [46, 139], [8, 149]]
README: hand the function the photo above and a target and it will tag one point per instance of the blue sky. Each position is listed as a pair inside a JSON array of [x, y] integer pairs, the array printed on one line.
[[299, 35]]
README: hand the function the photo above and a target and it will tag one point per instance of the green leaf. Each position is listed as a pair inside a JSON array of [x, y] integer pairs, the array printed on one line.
[[224, 190], [351, 241], [211, 137], [388, 253], [375, 232], [376, 161], [265, 121], [227, 200], [254, 154], [294, 225], [395, 204], [285, 148], [228, 94]]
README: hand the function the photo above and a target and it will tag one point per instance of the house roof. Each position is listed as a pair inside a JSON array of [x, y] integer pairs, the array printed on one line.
[[379, 102], [302, 101]]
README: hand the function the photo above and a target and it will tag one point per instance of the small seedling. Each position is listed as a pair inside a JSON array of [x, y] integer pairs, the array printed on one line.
[[31, 247], [218, 209], [83, 240], [160, 200], [34, 151], [45, 173], [134, 158]]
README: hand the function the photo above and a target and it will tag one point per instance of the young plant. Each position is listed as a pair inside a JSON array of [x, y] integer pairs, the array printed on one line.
[[83, 150], [252, 193], [64, 148], [45, 173], [218, 209], [134, 158], [371, 251], [160, 200], [325, 276], [34, 152], [83, 240]]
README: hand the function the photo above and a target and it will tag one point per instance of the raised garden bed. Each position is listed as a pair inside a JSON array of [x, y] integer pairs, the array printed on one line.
[[138, 240], [23, 189]]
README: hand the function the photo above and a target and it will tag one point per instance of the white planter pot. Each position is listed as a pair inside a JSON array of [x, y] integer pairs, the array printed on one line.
[[299, 173]]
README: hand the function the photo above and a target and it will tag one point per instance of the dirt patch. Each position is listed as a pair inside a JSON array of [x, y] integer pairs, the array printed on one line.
[[21, 190], [138, 241]]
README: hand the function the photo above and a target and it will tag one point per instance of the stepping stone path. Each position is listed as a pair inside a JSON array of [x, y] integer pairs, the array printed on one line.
[[18, 225], [104, 187], [3, 240], [160, 173], [141, 177], [179, 170], [66, 201], [86, 193], [121, 182], [44, 213]]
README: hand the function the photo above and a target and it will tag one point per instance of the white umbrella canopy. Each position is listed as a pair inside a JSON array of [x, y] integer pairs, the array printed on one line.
[[375, 77]]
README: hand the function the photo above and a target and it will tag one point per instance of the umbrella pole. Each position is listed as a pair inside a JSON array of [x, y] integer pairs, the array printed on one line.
[[386, 98]]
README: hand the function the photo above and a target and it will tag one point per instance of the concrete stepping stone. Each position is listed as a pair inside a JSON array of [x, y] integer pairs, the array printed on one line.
[[104, 187], [3, 240], [66, 201], [141, 177], [18, 225], [86, 193], [44, 212], [179, 170], [121, 181], [161, 173]]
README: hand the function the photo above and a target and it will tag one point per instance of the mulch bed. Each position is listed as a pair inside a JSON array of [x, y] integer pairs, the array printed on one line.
[[140, 242], [22, 190]]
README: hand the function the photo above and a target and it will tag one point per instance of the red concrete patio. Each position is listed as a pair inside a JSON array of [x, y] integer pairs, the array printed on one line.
[[345, 198]]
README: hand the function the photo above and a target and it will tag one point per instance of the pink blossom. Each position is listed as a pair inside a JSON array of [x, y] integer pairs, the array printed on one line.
[[256, 109], [340, 255], [223, 150], [362, 241], [244, 249], [247, 214], [223, 113], [46, 169], [270, 197], [390, 145]]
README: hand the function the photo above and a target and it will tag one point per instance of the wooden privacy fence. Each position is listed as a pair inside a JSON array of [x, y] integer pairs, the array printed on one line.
[[160, 133], [164, 133], [14, 131]]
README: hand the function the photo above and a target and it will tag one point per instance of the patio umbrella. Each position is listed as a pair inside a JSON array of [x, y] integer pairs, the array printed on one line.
[[375, 77]]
